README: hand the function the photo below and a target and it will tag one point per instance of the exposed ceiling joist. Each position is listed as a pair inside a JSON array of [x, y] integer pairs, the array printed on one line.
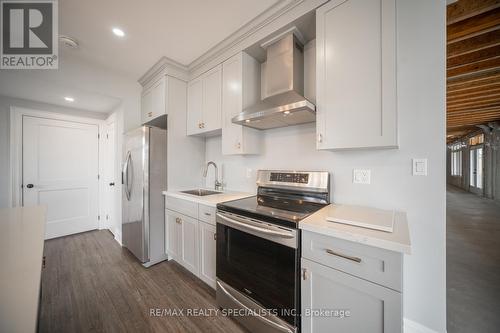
[[488, 39], [473, 26], [461, 10], [473, 65]]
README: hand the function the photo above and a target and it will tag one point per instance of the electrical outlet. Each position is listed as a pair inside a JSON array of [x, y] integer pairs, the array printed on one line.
[[361, 176], [249, 173]]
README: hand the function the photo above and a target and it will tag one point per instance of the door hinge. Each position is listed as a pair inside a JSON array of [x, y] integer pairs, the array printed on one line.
[[304, 274], [98, 136], [107, 217], [107, 136], [98, 217], [98, 176]]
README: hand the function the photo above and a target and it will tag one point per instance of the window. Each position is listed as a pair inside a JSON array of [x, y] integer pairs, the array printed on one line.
[[476, 140], [456, 163]]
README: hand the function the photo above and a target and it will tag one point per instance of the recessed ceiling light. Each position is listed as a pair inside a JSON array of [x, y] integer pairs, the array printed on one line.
[[69, 99], [118, 32], [247, 120], [286, 112]]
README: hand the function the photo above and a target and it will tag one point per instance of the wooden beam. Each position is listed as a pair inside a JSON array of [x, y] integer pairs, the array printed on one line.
[[472, 57], [487, 82], [464, 9], [472, 115], [472, 118], [474, 25], [480, 66], [475, 106], [474, 91], [475, 122], [495, 95], [472, 78], [473, 103], [473, 44]]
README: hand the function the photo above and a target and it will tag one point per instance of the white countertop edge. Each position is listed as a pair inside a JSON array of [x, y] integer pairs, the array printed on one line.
[[362, 239], [209, 200]]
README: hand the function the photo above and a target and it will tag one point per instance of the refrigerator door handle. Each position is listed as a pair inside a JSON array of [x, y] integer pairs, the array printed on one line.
[[125, 171]]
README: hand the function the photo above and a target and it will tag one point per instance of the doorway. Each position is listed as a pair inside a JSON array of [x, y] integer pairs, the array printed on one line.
[[476, 169]]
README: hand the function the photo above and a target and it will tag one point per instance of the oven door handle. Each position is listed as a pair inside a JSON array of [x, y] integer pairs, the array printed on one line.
[[281, 328], [240, 225]]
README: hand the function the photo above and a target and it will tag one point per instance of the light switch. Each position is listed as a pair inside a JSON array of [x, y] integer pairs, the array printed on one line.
[[419, 166]]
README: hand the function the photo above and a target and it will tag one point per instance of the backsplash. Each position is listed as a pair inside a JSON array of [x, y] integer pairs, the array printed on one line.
[[294, 148]]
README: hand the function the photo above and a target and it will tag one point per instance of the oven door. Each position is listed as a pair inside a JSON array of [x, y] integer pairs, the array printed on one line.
[[260, 260]]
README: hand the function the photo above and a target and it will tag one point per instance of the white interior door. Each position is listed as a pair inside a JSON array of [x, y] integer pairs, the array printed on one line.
[[60, 170], [110, 180]]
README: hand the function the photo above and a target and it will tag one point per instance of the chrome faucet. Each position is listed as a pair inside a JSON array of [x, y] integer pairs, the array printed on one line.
[[218, 184]]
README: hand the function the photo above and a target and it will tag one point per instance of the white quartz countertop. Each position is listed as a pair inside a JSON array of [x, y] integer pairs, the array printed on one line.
[[208, 200], [22, 234], [398, 240]]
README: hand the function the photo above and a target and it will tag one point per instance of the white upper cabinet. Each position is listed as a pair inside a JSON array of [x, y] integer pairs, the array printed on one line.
[[356, 74], [154, 100], [194, 106], [240, 89], [205, 103]]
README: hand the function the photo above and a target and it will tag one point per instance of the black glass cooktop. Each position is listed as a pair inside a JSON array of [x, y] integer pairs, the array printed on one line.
[[281, 210]]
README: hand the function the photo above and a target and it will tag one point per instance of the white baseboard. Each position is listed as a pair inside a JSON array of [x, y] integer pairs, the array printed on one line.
[[118, 238], [410, 326]]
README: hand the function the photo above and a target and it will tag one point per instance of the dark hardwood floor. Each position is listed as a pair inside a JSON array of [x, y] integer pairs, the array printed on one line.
[[91, 284]]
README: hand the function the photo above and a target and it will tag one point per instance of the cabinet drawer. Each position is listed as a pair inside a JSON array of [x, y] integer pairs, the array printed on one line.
[[367, 262], [206, 214], [182, 206]]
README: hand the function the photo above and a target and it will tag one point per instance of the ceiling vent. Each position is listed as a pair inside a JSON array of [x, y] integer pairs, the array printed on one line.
[[69, 42]]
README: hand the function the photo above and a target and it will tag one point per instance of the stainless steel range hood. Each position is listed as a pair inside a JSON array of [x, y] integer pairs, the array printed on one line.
[[283, 102]]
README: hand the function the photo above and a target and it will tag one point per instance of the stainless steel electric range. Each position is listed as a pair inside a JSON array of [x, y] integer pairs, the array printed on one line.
[[258, 249]]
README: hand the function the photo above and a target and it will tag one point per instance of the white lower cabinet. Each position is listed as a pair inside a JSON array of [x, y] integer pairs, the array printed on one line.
[[207, 253], [338, 292], [189, 241], [189, 244], [173, 234], [333, 301]]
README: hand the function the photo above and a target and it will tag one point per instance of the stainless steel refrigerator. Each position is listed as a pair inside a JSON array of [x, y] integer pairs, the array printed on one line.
[[144, 177]]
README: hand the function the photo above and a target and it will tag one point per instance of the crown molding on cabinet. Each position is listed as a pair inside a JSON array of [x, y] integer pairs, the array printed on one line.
[[270, 21], [162, 67]]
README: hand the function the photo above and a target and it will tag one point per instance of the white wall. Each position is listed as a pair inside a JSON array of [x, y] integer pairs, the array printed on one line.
[[421, 105]]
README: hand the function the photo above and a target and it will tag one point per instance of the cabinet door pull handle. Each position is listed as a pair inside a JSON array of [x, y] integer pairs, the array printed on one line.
[[345, 256], [304, 274], [320, 137], [208, 214], [150, 114], [215, 236], [178, 220]]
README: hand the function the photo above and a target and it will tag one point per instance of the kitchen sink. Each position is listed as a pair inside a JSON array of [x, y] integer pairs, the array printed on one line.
[[201, 192]]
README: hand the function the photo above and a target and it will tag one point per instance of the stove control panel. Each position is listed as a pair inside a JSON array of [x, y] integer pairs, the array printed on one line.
[[288, 177]]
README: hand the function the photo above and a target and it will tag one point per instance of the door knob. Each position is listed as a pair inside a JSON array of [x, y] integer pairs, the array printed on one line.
[[29, 186], [111, 184]]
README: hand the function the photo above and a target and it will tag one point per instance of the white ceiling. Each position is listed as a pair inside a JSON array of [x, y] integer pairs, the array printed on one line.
[[182, 30]]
